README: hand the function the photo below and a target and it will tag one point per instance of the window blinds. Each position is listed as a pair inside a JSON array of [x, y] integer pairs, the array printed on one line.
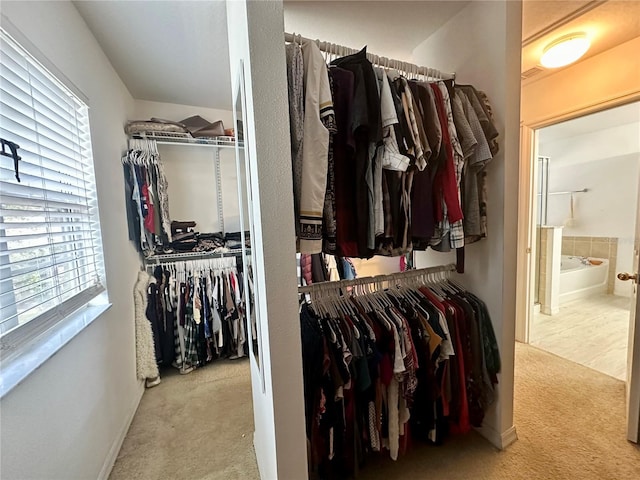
[[50, 245]]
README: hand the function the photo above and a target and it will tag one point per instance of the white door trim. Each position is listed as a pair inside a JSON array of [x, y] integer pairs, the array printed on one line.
[[526, 244]]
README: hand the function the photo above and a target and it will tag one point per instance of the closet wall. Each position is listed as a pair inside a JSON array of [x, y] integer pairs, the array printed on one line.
[[256, 39], [68, 418], [488, 56]]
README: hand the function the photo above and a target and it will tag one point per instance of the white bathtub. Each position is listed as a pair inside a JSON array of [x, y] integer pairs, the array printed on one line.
[[578, 280]]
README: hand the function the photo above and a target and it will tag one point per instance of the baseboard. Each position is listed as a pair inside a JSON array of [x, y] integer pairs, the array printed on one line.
[[117, 443], [497, 439], [509, 437]]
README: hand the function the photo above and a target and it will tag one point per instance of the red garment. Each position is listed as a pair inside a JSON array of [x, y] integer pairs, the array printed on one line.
[[444, 183], [464, 424], [149, 220], [305, 268]]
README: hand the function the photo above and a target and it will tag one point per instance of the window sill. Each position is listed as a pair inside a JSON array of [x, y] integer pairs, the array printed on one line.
[[29, 356]]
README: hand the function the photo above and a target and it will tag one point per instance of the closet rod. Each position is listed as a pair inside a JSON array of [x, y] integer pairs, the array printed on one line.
[[569, 192], [375, 59], [186, 256], [377, 278]]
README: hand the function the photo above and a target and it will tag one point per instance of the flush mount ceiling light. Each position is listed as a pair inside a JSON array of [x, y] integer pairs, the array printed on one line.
[[565, 50]]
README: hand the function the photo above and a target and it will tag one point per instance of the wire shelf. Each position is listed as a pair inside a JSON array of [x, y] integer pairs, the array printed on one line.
[[187, 139], [185, 256]]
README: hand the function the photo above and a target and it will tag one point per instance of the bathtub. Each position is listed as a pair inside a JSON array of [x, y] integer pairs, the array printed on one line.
[[578, 280]]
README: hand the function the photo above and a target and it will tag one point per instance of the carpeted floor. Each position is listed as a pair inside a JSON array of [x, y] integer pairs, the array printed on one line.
[[195, 426], [570, 422]]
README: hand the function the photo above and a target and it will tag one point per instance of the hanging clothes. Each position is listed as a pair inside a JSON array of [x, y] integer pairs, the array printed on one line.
[[147, 196], [318, 122], [197, 312], [416, 361], [404, 168], [146, 366]]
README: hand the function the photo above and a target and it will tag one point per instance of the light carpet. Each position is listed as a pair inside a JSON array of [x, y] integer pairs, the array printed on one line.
[[570, 422], [195, 426]]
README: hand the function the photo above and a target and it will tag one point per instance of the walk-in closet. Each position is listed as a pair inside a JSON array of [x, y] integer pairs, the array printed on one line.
[[310, 264]]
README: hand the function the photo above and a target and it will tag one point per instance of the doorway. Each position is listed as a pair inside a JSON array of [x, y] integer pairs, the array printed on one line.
[[585, 187], [585, 201]]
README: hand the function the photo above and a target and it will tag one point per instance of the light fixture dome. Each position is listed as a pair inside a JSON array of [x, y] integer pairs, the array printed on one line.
[[565, 50]]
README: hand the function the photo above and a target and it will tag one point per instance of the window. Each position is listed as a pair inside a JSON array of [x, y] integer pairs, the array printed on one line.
[[51, 260]]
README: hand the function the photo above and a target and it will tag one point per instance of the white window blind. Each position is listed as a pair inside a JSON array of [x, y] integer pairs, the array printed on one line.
[[51, 259]]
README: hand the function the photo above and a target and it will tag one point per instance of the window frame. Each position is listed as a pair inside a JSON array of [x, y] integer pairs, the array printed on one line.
[[24, 348]]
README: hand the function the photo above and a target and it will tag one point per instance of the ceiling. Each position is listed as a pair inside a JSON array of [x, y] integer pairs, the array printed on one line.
[[607, 24], [162, 49], [615, 117]]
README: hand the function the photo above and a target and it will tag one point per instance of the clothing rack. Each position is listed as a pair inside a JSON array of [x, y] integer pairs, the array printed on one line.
[[409, 69], [201, 264], [377, 278]]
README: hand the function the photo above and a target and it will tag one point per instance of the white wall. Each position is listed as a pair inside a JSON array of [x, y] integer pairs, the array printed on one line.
[[190, 170], [256, 38], [69, 416], [607, 163], [487, 55]]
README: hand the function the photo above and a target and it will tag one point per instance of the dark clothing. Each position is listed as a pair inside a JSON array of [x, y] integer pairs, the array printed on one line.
[[344, 163]]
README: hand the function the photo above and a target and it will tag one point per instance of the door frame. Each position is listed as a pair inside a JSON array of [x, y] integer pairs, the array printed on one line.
[[526, 245]]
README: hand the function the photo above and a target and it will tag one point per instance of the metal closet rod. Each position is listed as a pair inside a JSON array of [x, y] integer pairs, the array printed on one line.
[[569, 192], [375, 59], [377, 278]]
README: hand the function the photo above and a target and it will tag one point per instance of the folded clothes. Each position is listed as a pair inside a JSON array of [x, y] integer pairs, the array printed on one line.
[[181, 237], [237, 236], [154, 125], [209, 246], [217, 236], [184, 246]]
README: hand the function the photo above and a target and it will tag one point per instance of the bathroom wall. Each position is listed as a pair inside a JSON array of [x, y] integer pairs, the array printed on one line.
[[607, 163], [599, 247]]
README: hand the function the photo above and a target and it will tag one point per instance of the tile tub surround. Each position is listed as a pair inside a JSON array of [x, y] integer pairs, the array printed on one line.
[[599, 247]]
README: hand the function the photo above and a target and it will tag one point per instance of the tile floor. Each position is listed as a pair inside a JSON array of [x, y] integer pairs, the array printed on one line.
[[593, 332]]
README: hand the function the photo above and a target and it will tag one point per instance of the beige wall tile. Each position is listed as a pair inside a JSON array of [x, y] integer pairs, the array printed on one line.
[[600, 250], [583, 248], [568, 245]]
